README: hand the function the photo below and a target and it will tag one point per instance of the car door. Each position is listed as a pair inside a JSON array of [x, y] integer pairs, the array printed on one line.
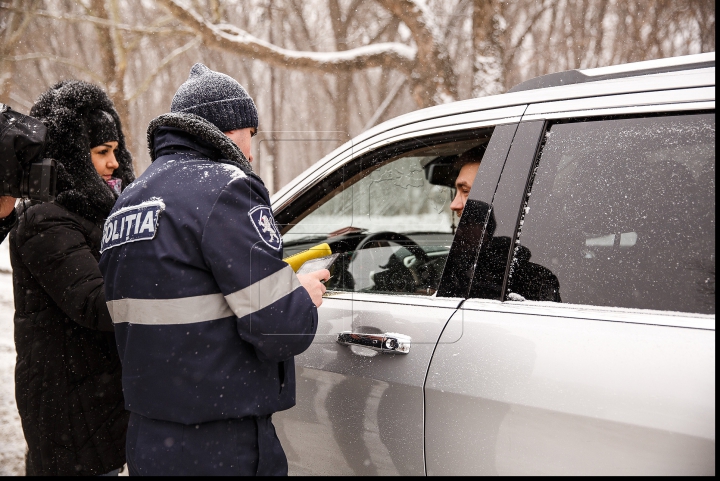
[[360, 411], [594, 352]]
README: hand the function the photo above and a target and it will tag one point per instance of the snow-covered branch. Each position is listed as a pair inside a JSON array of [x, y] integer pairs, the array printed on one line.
[[434, 79], [55, 58], [236, 40], [99, 21]]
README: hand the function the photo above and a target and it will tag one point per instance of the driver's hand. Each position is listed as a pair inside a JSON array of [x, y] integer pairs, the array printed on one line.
[[7, 204], [311, 283]]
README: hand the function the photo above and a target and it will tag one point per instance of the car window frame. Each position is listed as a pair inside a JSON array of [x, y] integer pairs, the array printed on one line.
[[314, 192]]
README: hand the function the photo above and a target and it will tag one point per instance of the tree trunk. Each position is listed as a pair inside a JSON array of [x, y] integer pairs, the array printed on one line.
[[10, 35], [113, 65], [433, 79], [488, 68]]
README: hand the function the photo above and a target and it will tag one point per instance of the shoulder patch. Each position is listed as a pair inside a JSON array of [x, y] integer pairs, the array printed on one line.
[[264, 223], [132, 224]]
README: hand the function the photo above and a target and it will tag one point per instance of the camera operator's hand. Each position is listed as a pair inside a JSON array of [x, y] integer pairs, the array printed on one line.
[[7, 204], [313, 283]]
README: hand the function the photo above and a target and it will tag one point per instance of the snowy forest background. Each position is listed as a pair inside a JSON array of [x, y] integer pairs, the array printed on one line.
[[331, 68]]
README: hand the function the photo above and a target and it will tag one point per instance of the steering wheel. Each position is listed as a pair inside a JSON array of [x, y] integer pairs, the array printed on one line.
[[400, 239], [399, 277]]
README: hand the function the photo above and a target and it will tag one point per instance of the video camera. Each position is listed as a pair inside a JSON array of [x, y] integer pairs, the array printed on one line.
[[24, 173]]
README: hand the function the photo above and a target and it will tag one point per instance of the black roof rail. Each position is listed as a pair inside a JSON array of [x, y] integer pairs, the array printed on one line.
[[569, 77]]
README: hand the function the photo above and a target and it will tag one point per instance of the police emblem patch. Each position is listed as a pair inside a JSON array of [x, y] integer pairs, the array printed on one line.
[[264, 223], [132, 224]]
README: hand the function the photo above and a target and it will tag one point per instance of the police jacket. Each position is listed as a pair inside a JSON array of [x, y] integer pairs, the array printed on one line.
[[207, 315]]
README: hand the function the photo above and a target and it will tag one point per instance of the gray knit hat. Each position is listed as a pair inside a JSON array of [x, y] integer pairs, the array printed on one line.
[[216, 97]]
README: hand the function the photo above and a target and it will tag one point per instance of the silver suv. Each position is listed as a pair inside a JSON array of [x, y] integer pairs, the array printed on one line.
[[563, 324]]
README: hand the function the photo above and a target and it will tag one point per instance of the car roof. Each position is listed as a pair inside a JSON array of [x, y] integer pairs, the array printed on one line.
[[656, 75], [663, 65]]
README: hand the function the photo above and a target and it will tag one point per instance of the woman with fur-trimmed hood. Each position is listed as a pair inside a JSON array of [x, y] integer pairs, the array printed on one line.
[[67, 378]]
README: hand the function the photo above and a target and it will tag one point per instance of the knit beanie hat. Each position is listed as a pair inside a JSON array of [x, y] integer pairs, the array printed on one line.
[[216, 97], [101, 128]]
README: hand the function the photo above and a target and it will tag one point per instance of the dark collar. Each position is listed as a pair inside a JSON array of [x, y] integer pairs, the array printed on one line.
[[197, 133], [170, 140]]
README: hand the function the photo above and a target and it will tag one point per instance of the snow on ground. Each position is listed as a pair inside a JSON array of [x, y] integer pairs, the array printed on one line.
[[12, 442]]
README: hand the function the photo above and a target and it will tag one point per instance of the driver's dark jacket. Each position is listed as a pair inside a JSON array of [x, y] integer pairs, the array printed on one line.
[[207, 315]]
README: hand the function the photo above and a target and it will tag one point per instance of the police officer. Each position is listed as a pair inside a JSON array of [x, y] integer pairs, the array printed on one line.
[[207, 315]]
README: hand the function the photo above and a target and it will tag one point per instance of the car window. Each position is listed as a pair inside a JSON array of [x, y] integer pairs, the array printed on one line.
[[389, 219], [621, 213]]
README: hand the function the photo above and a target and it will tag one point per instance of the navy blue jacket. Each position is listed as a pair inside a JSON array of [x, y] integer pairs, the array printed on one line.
[[207, 315]]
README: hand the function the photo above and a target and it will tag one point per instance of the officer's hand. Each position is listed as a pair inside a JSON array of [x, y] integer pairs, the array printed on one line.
[[7, 204], [311, 283]]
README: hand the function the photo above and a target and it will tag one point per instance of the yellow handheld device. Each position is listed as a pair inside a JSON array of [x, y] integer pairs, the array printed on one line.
[[297, 260]]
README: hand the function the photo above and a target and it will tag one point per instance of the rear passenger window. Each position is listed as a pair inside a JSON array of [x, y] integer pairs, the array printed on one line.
[[622, 213]]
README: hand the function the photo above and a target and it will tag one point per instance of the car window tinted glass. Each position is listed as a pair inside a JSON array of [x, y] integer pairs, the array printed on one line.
[[622, 213], [391, 221]]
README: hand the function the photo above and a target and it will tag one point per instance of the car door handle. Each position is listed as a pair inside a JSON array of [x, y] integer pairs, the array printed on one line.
[[389, 343]]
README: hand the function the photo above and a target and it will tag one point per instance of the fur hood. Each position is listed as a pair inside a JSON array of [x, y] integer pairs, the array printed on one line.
[[64, 109], [204, 130]]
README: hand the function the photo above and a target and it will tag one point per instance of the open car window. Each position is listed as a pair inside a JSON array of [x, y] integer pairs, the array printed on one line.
[[389, 218]]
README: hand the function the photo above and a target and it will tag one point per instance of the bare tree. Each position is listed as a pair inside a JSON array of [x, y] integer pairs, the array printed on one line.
[[427, 64], [11, 34], [567, 34], [487, 28]]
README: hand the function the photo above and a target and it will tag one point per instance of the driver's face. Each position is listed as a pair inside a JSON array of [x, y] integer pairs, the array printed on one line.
[[463, 184]]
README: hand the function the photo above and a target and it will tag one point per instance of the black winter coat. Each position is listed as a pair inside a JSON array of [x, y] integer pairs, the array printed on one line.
[[6, 225], [68, 375]]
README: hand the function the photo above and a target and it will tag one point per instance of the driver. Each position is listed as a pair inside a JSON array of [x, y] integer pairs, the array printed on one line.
[[531, 281], [470, 162]]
